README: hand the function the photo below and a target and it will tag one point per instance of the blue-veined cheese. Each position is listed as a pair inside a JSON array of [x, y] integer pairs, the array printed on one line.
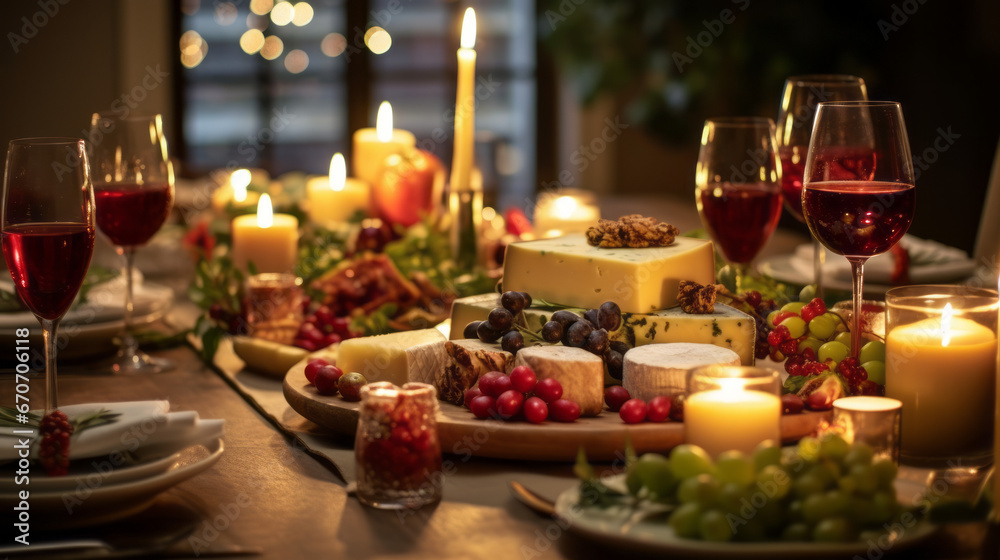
[[567, 270]]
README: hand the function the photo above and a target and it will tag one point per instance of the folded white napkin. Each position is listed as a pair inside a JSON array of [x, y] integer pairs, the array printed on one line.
[[930, 262], [143, 425]]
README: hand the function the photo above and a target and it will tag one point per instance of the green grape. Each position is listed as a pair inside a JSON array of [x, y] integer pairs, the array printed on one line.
[[816, 507], [835, 529], [702, 490], [796, 326], [807, 293], [883, 507], [731, 497], [652, 471], [872, 351], [876, 371], [793, 306], [772, 514], [865, 478], [770, 317], [810, 342], [774, 482], [833, 350], [684, 520], [796, 532], [808, 448], [848, 484], [808, 485], [753, 531], [832, 446], [794, 513], [734, 466], [860, 454], [823, 326], [767, 452], [713, 526], [885, 471], [825, 471], [844, 338], [838, 501], [688, 460]]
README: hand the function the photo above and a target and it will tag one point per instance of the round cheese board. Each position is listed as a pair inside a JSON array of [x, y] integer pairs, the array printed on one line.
[[462, 434]]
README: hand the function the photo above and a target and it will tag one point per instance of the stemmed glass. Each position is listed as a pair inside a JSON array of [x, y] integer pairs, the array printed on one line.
[[738, 188], [799, 100], [47, 232], [134, 188], [858, 196]]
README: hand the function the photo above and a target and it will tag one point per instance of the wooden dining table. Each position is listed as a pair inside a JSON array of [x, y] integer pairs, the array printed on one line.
[[281, 488]]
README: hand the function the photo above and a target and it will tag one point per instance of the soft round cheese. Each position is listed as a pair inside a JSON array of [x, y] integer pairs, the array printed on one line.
[[580, 373], [661, 369]]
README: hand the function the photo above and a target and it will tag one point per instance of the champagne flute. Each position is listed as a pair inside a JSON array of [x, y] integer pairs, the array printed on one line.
[[738, 189], [134, 189], [47, 232], [799, 99], [858, 196]]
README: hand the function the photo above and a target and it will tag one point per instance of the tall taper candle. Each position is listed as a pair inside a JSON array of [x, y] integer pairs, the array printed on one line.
[[465, 106]]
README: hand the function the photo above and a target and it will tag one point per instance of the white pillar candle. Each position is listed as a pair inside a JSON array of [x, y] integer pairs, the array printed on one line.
[[268, 240], [373, 145], [465, 106], [731, 417], [334, 199]]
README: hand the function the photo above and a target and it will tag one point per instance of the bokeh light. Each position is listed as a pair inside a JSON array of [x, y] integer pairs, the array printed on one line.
[[225, 13], [296, 61], [252, 41], [303, 14], [272, 48], [378, 40], [193, 49], [261, 7], [333, 45], [282, 13]]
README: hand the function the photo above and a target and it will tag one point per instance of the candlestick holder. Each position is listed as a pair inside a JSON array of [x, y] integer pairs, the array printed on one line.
[[941, 361], [466, 209], [732, 407], [871, 420]]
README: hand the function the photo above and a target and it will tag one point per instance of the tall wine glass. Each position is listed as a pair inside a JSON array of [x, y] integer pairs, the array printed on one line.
[[47, 232], [858, 196], [738, 189], [799, 100], [134, 188]]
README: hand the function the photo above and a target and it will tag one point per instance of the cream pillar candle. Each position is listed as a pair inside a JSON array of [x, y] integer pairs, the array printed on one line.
[[268, 240], [234, 192], [334, 199], [565, 214], [731, 417], [372, 145], [465, 106]]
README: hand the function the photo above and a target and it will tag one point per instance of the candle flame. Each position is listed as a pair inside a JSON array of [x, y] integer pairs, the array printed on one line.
[[565, 206], [383, 122], [338, 172], [732, 386], [239, 180], [265, 215], [469, 29], [946, 324]]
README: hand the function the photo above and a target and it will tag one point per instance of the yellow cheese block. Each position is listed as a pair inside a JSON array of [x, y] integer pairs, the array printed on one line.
[[396, 357], [726, 327], [566, 270]]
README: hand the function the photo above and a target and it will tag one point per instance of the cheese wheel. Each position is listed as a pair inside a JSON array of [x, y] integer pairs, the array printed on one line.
[[580, 373], [661, 369]]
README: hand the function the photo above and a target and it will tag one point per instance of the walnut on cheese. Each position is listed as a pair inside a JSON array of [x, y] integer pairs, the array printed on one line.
[[633, 231]]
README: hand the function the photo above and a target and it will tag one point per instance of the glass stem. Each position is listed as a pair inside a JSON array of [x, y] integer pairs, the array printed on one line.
[[819, 257], [129, 346], [857, 270], [49, 339]]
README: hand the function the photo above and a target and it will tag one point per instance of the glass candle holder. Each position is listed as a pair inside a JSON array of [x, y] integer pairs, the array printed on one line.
[[274, 306], [871, 420], [731, 407], [941, 361], [397, 448]]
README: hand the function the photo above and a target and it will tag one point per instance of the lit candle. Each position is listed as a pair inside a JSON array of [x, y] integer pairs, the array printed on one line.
[[234, 192], [268, 240], [731, 417], [943, 370], [373, 145], [465, 106], [564, 214], [334, 199]]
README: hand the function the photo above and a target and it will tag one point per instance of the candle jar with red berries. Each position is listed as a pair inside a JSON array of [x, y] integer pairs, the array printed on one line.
[[397, 448]]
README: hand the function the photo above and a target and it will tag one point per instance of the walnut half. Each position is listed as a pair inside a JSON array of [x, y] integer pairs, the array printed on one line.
[[634, 231], [697, 299]]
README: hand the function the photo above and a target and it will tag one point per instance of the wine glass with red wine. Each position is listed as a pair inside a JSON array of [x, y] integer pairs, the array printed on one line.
[[858, 194], [801, 96], [738, 187], [134, 188], [47, 232]]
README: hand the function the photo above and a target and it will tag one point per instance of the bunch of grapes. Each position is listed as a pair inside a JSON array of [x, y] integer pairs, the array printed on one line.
[[824, 490], [500, 324], [759, 308], [812, 340], [321, 329], [520, 395]]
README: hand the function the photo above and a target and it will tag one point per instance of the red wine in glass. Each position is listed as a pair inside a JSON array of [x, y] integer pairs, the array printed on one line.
[[858, 218], [48, 262], [793, 163], [740, 217], [129, 214]]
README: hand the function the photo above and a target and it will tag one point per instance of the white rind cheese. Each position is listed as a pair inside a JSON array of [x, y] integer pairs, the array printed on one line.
[[567, 270], [465, 362], [580, 373], [726, 327], [661, 369], [396, 357]]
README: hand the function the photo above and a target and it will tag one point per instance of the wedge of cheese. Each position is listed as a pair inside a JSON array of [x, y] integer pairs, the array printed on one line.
[[567, 270], [661, 369], [396, 358], [726, 328], [465, 361], [580, 373]]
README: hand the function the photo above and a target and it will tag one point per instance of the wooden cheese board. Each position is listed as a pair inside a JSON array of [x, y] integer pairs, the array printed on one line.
[[462, 434]]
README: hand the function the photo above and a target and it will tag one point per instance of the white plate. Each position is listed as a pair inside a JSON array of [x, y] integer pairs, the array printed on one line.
[[107, 304], [97, 470], [607, 526], [83, 506], [782, 267]]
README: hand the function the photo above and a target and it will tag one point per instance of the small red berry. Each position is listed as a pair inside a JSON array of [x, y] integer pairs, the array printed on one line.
[[549, 390], [327, 378], [562, 410], [633, 411], [523, 379], [471, 394], [312, 367], [483, 406], [535, 410], [509, 403], [615, 396], [658, 409]]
